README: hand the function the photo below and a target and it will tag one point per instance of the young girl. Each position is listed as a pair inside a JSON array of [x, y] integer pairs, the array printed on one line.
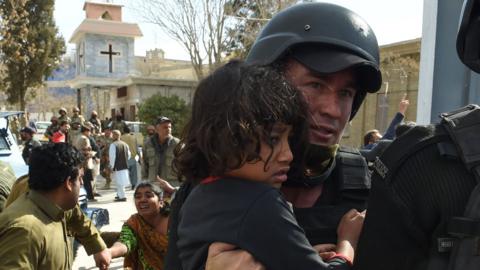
[[237, 148]]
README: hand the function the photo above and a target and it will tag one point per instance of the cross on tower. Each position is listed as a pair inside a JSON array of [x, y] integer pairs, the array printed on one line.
[[110, 55]]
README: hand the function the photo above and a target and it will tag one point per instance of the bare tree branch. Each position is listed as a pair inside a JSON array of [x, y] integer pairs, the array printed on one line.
[[198, 25]]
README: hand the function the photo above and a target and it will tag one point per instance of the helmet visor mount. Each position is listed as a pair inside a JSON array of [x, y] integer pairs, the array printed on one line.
[[328, 60]]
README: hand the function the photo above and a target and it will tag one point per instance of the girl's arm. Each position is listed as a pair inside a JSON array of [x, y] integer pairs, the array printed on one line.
[[118, 249]]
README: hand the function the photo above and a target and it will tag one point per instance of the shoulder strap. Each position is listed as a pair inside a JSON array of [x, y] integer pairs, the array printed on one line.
[[463, 126], [404, 147]]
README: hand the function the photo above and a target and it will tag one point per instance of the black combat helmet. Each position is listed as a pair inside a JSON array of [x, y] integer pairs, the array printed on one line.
[[324, 37], [468, 39]]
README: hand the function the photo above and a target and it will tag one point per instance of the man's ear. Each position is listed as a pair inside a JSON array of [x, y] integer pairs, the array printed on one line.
[[68, 184]]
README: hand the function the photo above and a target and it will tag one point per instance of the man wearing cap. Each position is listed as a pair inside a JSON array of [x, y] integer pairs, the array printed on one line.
[[63, 115], [77, 117], [332, 56], [29, 143], [96, 123], [158, 153]]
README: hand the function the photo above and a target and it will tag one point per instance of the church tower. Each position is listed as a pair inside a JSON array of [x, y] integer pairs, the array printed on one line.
[[104, 54]]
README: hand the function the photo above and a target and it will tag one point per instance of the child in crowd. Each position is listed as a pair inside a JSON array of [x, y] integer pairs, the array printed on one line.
[[246, 122]]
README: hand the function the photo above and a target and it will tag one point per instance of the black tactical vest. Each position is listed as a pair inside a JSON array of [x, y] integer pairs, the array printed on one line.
[[346, 188]]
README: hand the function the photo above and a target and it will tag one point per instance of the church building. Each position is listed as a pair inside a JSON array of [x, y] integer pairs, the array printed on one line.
[[107, 79]]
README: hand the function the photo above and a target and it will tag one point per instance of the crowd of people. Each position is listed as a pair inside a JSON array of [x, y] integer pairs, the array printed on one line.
[[80, 150], [258, 179]]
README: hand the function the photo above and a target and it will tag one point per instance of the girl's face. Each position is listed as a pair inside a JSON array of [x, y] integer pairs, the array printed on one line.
[[147, 202], [275, 171]]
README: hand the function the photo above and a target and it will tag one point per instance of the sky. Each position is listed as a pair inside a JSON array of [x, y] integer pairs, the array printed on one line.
[[391, 20]]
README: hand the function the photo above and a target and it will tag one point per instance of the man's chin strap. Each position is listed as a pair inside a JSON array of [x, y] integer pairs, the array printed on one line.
[[319, 164]]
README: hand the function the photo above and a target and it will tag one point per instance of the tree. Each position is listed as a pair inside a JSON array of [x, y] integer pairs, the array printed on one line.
[[251, 16], [30, 46], [172, 107], [199, 25]]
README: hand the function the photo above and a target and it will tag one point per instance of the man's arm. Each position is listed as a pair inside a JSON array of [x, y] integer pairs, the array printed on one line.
[[87, 234], [84, 230], [225, 256], [397, 119]]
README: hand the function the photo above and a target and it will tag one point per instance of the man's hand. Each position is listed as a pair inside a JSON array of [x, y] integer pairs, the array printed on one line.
[[165, 186], [102, 259], [222, 256], [326, 251], [403, 105]]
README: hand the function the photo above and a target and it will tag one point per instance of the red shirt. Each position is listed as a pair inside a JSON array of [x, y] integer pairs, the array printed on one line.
[[58, 137]]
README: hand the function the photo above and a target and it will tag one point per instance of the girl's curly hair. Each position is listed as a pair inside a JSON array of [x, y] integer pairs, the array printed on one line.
[[233, 110]]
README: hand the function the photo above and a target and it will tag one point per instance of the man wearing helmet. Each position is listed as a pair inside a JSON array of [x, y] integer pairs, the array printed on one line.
[[63, 115], [331, 55]]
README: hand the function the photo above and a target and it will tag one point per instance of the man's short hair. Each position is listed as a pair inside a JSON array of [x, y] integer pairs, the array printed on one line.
[[51, 164], [116, 132], [85, 128], [367, 138], [28, 130]]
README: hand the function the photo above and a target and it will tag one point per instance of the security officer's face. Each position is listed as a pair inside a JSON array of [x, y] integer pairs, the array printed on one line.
[[329, 98]]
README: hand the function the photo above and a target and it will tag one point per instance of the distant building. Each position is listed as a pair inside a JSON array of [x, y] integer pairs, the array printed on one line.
[[400, 70], [109, 78]]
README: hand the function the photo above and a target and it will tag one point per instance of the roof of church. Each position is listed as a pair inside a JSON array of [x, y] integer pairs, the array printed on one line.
[[106, 27], [93, 2]]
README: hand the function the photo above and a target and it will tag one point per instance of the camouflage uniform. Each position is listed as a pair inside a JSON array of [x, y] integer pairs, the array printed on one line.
[[63, 118], [105, 171], [77, 119], [23, 121], [14, 127]]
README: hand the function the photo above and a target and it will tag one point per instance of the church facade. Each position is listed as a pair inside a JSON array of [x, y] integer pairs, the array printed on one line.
[[109, 78]]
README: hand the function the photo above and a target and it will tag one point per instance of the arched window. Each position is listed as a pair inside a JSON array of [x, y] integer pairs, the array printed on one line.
[[106, 16]]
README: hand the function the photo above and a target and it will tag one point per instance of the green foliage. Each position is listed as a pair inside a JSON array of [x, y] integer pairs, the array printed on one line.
[[30, 46], [172, 107]]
